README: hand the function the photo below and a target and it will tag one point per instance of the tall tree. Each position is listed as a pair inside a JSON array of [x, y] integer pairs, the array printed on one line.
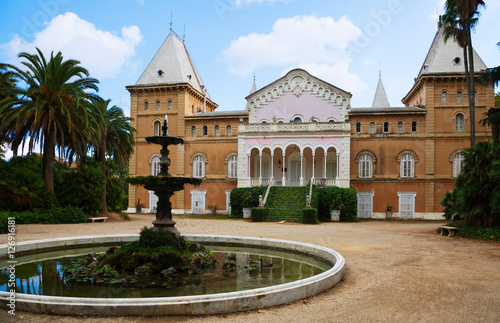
[[49, 105], [116, 137], [459, 20]]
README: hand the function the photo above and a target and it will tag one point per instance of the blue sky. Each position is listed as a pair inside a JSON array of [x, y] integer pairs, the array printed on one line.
[[341, 42]]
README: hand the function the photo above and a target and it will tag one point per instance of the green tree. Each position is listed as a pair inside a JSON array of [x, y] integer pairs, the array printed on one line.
[[459, 20], [116, 138], [51, 107]]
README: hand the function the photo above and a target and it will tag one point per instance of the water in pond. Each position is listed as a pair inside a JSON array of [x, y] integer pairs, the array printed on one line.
[[42, 274]]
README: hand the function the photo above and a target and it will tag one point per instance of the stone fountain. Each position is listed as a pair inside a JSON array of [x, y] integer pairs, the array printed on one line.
[[164, 185]]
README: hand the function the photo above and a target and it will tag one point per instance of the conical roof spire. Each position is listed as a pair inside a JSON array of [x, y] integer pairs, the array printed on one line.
[[254, 85], [380, 99], [172, 64]]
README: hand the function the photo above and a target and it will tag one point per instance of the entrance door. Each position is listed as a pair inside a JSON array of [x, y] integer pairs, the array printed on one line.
[[406, 205], [153, 201], [365, 205], [198, 201], [295, 173]]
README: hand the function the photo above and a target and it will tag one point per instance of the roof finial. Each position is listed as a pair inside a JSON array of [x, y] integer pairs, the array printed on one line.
[[171, 13], [379, 69], [254, 74]]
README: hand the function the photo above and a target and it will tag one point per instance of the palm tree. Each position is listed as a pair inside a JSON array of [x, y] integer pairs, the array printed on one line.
[[51, 109], [459, 20], [116, 137]]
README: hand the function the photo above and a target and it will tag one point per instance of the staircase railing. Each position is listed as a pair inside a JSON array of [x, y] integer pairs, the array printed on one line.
[[271, 181]]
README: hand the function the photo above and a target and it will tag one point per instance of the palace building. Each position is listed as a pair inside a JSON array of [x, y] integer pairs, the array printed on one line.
[[300, 129]]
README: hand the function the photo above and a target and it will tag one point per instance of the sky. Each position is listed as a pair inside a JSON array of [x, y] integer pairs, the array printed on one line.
[[345, 43]]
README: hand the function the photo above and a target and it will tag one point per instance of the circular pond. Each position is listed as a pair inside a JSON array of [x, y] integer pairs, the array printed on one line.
[[291, 271]]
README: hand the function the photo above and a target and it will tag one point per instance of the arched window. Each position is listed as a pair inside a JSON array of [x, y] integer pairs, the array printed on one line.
[[444, 96], [193, 131], [217, 130], [400, 127], [297, 120], [358, 127], [386, 126], [372, 127], [407, 166], [232, 167], [459, 122], [475, 96], [365, 166], [205, 131], [414, 126], [228, 130], [170, 104], [155, 166], [157, 128], [158, 105], [146, 106], [198, 166], [458, 161], [459, 96]]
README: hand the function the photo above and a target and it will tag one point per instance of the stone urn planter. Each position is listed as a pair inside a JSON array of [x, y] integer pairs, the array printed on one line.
[[388, 212], [213, 209], [335, 215], [247, 213]]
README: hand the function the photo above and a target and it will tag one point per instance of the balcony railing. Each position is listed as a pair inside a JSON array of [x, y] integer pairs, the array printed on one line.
[[294, 127], [321, 182]]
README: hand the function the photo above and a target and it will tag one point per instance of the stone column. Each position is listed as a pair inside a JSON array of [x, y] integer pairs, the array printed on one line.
[[338, 168], [324, 174], [260, 168], [301, 167], [312, 178], [283, 179], [272, 165]]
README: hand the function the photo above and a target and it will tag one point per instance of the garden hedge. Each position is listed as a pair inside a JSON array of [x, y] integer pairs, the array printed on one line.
[[236, 199], [310, 216]]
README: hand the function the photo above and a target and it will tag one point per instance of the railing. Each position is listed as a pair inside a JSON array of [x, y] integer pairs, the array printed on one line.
[[259, 181], [324, 182], [294, 127]]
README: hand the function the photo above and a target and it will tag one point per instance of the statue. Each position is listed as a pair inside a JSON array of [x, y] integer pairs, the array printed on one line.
[[165, 127]]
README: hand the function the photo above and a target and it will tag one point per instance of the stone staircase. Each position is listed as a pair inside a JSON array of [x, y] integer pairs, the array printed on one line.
[[286, 203]]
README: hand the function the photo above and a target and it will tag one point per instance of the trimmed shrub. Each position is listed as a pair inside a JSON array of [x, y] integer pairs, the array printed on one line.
[[151, 238], [69, 214], [323, 198], [236, 199], [259, 214], [310, 216]]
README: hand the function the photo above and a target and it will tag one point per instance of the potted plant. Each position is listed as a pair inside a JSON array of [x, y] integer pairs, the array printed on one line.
[[335, 209], [138, 206], [388, 212], [213, 209], [246, 199]]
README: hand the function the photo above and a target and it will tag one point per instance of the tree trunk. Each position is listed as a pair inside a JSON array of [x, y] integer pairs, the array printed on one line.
[[470, 88], [49, 154], [102, 160]]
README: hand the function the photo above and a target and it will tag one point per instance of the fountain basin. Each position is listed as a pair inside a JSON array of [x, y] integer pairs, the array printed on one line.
[[183, 305]]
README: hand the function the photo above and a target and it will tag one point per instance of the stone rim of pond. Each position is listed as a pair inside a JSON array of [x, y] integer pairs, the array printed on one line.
[[180, 305]]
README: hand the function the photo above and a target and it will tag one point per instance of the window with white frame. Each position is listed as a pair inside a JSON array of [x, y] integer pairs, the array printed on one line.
[[406, 205], [458, 161], [444, 96], [193, 131], [217, 130], [146, 106], [407, 166], [198, 166], [372, 127], [155, 165], [158, 105], [459, 122], [232, 167], [459, 96], [157, 128], [365, 205], [228, 130], [400, 127], [365, 166], [170, 104]]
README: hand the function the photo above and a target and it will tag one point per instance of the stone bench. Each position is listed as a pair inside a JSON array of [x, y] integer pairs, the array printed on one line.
[[450, 230], [100, 218]]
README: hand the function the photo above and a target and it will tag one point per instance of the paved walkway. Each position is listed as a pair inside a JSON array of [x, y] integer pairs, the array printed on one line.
[[396, 271]]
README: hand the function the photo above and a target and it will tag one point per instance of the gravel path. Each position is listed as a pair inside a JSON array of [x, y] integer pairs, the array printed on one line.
[[396, 271]]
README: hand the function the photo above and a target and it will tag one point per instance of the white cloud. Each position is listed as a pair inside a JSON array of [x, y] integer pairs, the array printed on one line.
[[439, 10], [103, 53], [317, 44]]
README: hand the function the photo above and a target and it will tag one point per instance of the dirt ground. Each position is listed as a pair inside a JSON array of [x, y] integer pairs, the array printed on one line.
[[396, 271]]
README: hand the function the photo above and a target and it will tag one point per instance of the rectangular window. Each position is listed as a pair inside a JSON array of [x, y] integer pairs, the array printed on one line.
[[407, 205], [365, 205]]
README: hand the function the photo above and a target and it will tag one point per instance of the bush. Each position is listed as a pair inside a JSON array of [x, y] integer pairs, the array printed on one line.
[[151, 238], [62, 215], [323, 197], [475, 232], [259, 214], [236, 199], [310, 216]]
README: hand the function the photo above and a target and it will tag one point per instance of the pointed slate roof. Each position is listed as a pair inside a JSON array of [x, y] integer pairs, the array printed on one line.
[[447, 57], [172, 64], [254, 86], [380, 99]]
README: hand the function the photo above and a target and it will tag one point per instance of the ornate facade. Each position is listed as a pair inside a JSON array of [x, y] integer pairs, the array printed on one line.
[[301, 129]]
